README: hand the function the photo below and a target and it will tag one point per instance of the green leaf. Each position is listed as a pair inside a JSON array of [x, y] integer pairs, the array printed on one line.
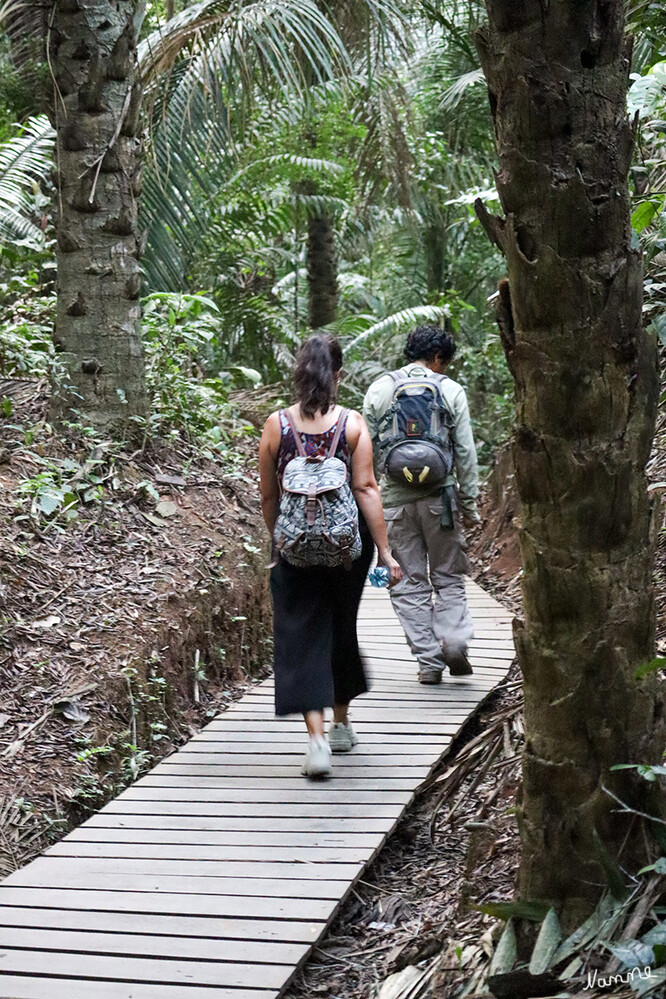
[[534, 911], [659, 867], [644, 214], [6, 406], [504, 957], [48, 499], [602, 917], [655, 936], [549, 939], [632, 953], [658, 324], [647, 669]]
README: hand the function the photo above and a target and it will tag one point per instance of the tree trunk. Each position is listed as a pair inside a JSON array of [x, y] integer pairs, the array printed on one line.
[[586, 391], [322, 272], [96, 114]]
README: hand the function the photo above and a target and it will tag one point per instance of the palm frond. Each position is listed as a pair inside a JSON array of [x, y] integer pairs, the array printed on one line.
[[24, 163], [454, 93], [391, 324], [240, 31]]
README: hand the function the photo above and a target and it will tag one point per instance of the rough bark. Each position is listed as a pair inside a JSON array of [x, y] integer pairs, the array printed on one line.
[[322, 272], [96, 109], [586, 391]]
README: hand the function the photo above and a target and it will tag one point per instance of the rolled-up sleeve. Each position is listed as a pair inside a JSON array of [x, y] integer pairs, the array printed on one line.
[[375, 404], [466, 464]]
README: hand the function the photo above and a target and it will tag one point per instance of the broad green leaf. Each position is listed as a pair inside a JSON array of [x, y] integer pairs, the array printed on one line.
[[632, 953], [657, 935], [605, 910], [549, 939], [48, 499], [504, 957], [644, 214]]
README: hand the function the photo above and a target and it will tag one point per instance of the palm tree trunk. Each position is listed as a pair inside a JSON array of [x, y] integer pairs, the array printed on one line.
[[586, 392], [322, 272], [97, 100]]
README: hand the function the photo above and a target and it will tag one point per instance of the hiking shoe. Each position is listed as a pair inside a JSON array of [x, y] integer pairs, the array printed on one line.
[[430, 676], [459, 664], [317, 762], [341, 737]]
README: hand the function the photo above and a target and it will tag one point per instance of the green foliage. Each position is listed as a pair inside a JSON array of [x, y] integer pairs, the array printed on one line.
[[188, 389], [25, 158], [55, 495], [26, 345]]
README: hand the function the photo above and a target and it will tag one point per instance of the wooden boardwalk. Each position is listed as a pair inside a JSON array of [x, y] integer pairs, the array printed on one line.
[[215, 874]]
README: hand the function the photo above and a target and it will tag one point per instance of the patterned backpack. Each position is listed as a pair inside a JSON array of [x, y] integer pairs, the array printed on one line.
[[318, 519], [416, 432]]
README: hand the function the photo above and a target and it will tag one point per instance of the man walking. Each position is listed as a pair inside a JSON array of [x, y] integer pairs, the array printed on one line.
[[421, 433]]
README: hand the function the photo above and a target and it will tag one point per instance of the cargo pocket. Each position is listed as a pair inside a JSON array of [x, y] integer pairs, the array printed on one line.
[[393, 515]]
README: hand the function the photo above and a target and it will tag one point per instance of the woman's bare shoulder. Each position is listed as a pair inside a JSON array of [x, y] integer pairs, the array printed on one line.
[[355, 426], [272, 429]]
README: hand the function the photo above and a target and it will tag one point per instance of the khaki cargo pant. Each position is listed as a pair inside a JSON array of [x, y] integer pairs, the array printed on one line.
[[430, 599]]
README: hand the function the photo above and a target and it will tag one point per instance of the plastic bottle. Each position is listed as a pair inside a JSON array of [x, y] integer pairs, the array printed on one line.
[[379, 576]]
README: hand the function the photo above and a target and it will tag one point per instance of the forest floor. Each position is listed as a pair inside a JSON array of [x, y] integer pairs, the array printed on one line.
[[126, 627]]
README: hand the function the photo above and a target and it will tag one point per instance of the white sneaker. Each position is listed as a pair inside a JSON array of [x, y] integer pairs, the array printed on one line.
[[341, 737], [317, 762]]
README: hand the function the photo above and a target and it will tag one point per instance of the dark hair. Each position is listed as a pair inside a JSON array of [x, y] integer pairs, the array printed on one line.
[[319, 358], [425, 343]]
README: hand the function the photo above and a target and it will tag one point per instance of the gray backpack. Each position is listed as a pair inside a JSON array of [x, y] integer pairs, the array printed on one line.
[[416, 432], [318, 519]]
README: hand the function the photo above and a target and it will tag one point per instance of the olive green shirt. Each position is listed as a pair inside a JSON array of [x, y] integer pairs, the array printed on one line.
[[377, 401]]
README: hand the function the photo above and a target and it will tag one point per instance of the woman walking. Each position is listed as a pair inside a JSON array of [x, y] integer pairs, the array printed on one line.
[[317, 658]]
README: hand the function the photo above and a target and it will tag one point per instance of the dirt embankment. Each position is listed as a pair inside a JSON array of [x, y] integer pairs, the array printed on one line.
[[124, 628]]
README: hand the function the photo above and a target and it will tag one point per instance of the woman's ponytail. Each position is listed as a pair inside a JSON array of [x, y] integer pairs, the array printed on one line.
[[317, 363]]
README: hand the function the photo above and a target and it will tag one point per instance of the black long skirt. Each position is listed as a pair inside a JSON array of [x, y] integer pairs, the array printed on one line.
[[317, 658]]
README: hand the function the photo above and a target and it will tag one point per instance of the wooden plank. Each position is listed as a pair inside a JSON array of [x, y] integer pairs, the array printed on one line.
[[260, 853], [269, 877], [283, 742], [272, 931], [371, 727], [31, 986], [376, 649], [223, 776], [417, 718], [282, 838], [309, 793], [145, 969], [248, 810], [273, 910], [275, 899], [453, 692], [353, 764], [245, 953], [219, 825], [237, 754]]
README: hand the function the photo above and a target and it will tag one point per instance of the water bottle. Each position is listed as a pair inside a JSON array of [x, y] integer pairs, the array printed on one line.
[[379, 576]]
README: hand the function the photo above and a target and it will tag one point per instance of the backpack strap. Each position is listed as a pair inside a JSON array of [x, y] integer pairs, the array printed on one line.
[[297, 437], [342, 420]]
